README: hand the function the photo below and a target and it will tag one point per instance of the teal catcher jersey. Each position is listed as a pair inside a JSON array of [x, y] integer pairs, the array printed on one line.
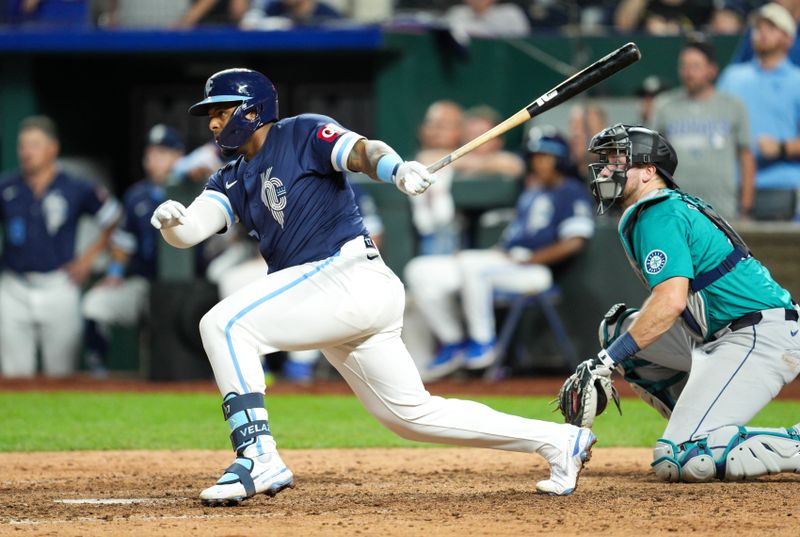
[[670, 238]]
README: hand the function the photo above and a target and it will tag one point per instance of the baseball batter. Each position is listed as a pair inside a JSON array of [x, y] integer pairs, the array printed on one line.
[[717, 338], [327, 288]]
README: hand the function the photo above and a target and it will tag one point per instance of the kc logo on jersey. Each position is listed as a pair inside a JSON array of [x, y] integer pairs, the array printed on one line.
[[655, 261], [330, 132], [273, 195]]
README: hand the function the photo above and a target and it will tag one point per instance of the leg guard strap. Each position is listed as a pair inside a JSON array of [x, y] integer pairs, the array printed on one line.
[[239, 471], [242, 436], [236, 403]]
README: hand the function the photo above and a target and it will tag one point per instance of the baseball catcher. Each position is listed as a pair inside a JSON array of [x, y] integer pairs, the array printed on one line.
[[714, 342]]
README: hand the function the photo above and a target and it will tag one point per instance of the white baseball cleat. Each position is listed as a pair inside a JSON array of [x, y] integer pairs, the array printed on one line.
[[566, 468], [247, 477]]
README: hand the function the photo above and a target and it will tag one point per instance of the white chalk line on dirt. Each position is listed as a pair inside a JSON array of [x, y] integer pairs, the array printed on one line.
[[113, 501], [138, 518]]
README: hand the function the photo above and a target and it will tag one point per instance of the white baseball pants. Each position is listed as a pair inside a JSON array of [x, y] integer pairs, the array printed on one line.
[[730, 379], [122, 304], [351, 306], [436, 282], [39, 309]]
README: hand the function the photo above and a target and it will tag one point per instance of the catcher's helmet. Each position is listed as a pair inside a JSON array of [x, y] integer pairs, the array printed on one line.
[[253, 91], [641, 146], [546, 139]]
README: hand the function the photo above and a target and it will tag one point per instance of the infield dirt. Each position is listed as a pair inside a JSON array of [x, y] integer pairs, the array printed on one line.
[[381, 492]]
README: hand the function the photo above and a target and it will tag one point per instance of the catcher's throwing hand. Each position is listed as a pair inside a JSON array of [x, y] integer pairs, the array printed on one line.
[[413, 178], [585, 394], [168, 214]]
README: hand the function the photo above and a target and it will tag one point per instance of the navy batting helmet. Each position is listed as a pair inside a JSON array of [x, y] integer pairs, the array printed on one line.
[[253, 91], [641, 146], [546, 139]]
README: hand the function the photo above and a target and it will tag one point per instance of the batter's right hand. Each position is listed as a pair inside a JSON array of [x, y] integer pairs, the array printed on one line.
[[413, 178], [168, 214]]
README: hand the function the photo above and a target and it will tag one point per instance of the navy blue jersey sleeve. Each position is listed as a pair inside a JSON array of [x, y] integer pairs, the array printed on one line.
[[326, 144]]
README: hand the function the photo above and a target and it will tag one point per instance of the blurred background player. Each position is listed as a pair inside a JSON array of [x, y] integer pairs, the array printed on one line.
[[283, 14], [121, 297], [584, 120], [650, 88], [490, 158], [553, 222], [708, 126], [40, 207], [488, 18]]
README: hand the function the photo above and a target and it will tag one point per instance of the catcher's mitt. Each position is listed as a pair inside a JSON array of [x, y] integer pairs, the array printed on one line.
[[585, 395]]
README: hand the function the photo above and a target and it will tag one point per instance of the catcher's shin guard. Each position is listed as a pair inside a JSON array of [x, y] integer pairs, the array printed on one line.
[[691, 462], [751, 452], [258, 467], [731, 453]]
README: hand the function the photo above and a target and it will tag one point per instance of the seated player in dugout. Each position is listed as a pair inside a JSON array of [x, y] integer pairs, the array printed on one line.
[[121, 297], [327, 289], [552, 223], [714, 342]]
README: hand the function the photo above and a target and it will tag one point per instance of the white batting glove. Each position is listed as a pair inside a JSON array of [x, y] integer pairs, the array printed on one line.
[[413, 178], [168, 214]]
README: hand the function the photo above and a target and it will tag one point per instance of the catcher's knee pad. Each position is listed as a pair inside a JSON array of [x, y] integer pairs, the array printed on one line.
[[653, 392], [611, 325], [691, 462], [755, 452]]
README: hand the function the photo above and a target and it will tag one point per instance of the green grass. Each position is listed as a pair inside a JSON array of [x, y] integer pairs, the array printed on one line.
[[34, 421]]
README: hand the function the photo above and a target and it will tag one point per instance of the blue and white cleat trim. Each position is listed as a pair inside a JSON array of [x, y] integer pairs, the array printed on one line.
[[247, 477], [565, 470]]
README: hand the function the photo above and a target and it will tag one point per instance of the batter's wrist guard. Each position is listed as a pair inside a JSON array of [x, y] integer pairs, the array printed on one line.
[[387, 167]]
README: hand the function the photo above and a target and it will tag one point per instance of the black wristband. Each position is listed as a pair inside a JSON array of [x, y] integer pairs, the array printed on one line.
[[782, 151]]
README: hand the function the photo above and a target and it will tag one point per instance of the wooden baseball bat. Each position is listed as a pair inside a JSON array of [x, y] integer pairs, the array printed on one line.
[[577, 83]]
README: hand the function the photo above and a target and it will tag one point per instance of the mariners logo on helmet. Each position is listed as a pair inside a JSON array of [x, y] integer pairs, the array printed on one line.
[[655, 261]]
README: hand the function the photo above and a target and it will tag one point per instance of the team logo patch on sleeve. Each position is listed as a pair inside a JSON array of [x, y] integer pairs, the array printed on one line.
[[655, 261], [330, 132]]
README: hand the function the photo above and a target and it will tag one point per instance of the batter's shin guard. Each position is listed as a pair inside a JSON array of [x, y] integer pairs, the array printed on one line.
[[250, 434], [258, 467]]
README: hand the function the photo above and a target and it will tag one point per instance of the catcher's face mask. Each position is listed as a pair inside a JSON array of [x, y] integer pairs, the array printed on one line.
[[609, 176]]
